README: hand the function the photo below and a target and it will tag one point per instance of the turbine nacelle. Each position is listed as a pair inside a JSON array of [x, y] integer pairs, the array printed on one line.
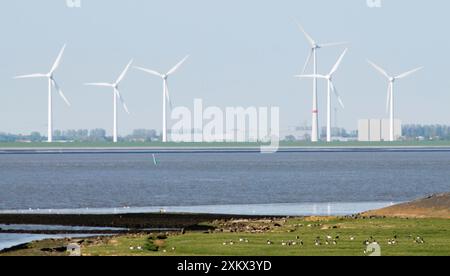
[[166, 94], [52, 85]]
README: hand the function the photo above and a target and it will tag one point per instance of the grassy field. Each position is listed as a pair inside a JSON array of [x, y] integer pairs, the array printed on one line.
[[223, 145], [434, 232], [349, 234]]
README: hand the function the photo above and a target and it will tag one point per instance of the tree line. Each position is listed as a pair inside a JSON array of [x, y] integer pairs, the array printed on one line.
[[82, 135]]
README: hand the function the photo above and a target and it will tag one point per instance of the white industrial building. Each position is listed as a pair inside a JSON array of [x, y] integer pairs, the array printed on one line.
[[377, 130]]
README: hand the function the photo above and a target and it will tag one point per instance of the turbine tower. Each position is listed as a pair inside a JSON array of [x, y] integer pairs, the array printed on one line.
[[390, 94], [166, 95], [331, 88], [51, 84], [116, 95], [313, 55]]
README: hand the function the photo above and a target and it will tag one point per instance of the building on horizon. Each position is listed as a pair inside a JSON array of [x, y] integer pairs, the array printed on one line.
[[378, 130]]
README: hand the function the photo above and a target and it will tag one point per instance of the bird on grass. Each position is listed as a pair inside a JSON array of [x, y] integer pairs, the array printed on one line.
[[419, 240]]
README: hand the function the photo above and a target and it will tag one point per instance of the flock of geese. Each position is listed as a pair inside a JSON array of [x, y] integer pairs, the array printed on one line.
[[328, 240]]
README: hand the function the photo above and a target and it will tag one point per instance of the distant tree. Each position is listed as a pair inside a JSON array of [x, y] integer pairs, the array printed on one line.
[[290, 138], [35, 137], [143, 135], [97, 134]]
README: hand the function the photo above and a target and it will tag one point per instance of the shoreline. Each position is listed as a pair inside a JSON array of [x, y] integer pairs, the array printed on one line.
[[126, 221], [219, 150], [243, 233]]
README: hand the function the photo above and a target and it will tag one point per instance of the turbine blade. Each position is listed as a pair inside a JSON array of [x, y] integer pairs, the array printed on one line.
[[58, 88], [151, 72], [338, 63], [311, 76], [58, 60], [307, 36], [341, 103], [99, 84], [324, 45], [404, 75], [122, 76], [307, 61], [388, 100], [31, 76], [176, 67], [168, 96], [122, 100], [379, 69]]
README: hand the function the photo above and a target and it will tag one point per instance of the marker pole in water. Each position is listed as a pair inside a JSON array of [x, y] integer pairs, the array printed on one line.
[[155, 162]]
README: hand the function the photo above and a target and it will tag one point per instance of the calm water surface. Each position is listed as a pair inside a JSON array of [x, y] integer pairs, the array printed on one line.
[[77, 181]]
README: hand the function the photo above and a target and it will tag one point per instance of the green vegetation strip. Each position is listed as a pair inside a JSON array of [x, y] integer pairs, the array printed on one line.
[[221, 145], [350, 242], [413, 237]]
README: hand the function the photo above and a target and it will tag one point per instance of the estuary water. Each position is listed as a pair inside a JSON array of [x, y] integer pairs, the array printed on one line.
[[191, 180]]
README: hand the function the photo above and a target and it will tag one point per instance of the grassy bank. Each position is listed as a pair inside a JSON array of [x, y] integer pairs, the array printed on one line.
[[348, 234]]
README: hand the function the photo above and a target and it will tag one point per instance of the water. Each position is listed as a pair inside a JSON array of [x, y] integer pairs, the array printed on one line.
[[10, 240], [105, 181]]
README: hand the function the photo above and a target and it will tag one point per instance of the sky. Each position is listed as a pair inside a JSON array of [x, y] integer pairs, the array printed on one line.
[[242, 53]]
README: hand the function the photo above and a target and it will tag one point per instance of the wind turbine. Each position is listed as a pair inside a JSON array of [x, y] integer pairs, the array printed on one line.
[[116, 94], [313, 55], [51, 84], [390, 94], [166, 95], [331, 88]]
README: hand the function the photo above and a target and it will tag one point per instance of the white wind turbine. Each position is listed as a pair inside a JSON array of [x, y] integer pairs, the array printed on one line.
[[313, 55], [390, 94], [116, 94], [51, 83], [331, 88], [166, 95]]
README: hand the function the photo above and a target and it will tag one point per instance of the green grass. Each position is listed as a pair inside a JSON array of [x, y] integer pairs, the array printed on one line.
[[435, 232], [224, 145]]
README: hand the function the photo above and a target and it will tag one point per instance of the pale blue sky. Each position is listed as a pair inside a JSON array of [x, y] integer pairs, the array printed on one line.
[[242, 53]]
